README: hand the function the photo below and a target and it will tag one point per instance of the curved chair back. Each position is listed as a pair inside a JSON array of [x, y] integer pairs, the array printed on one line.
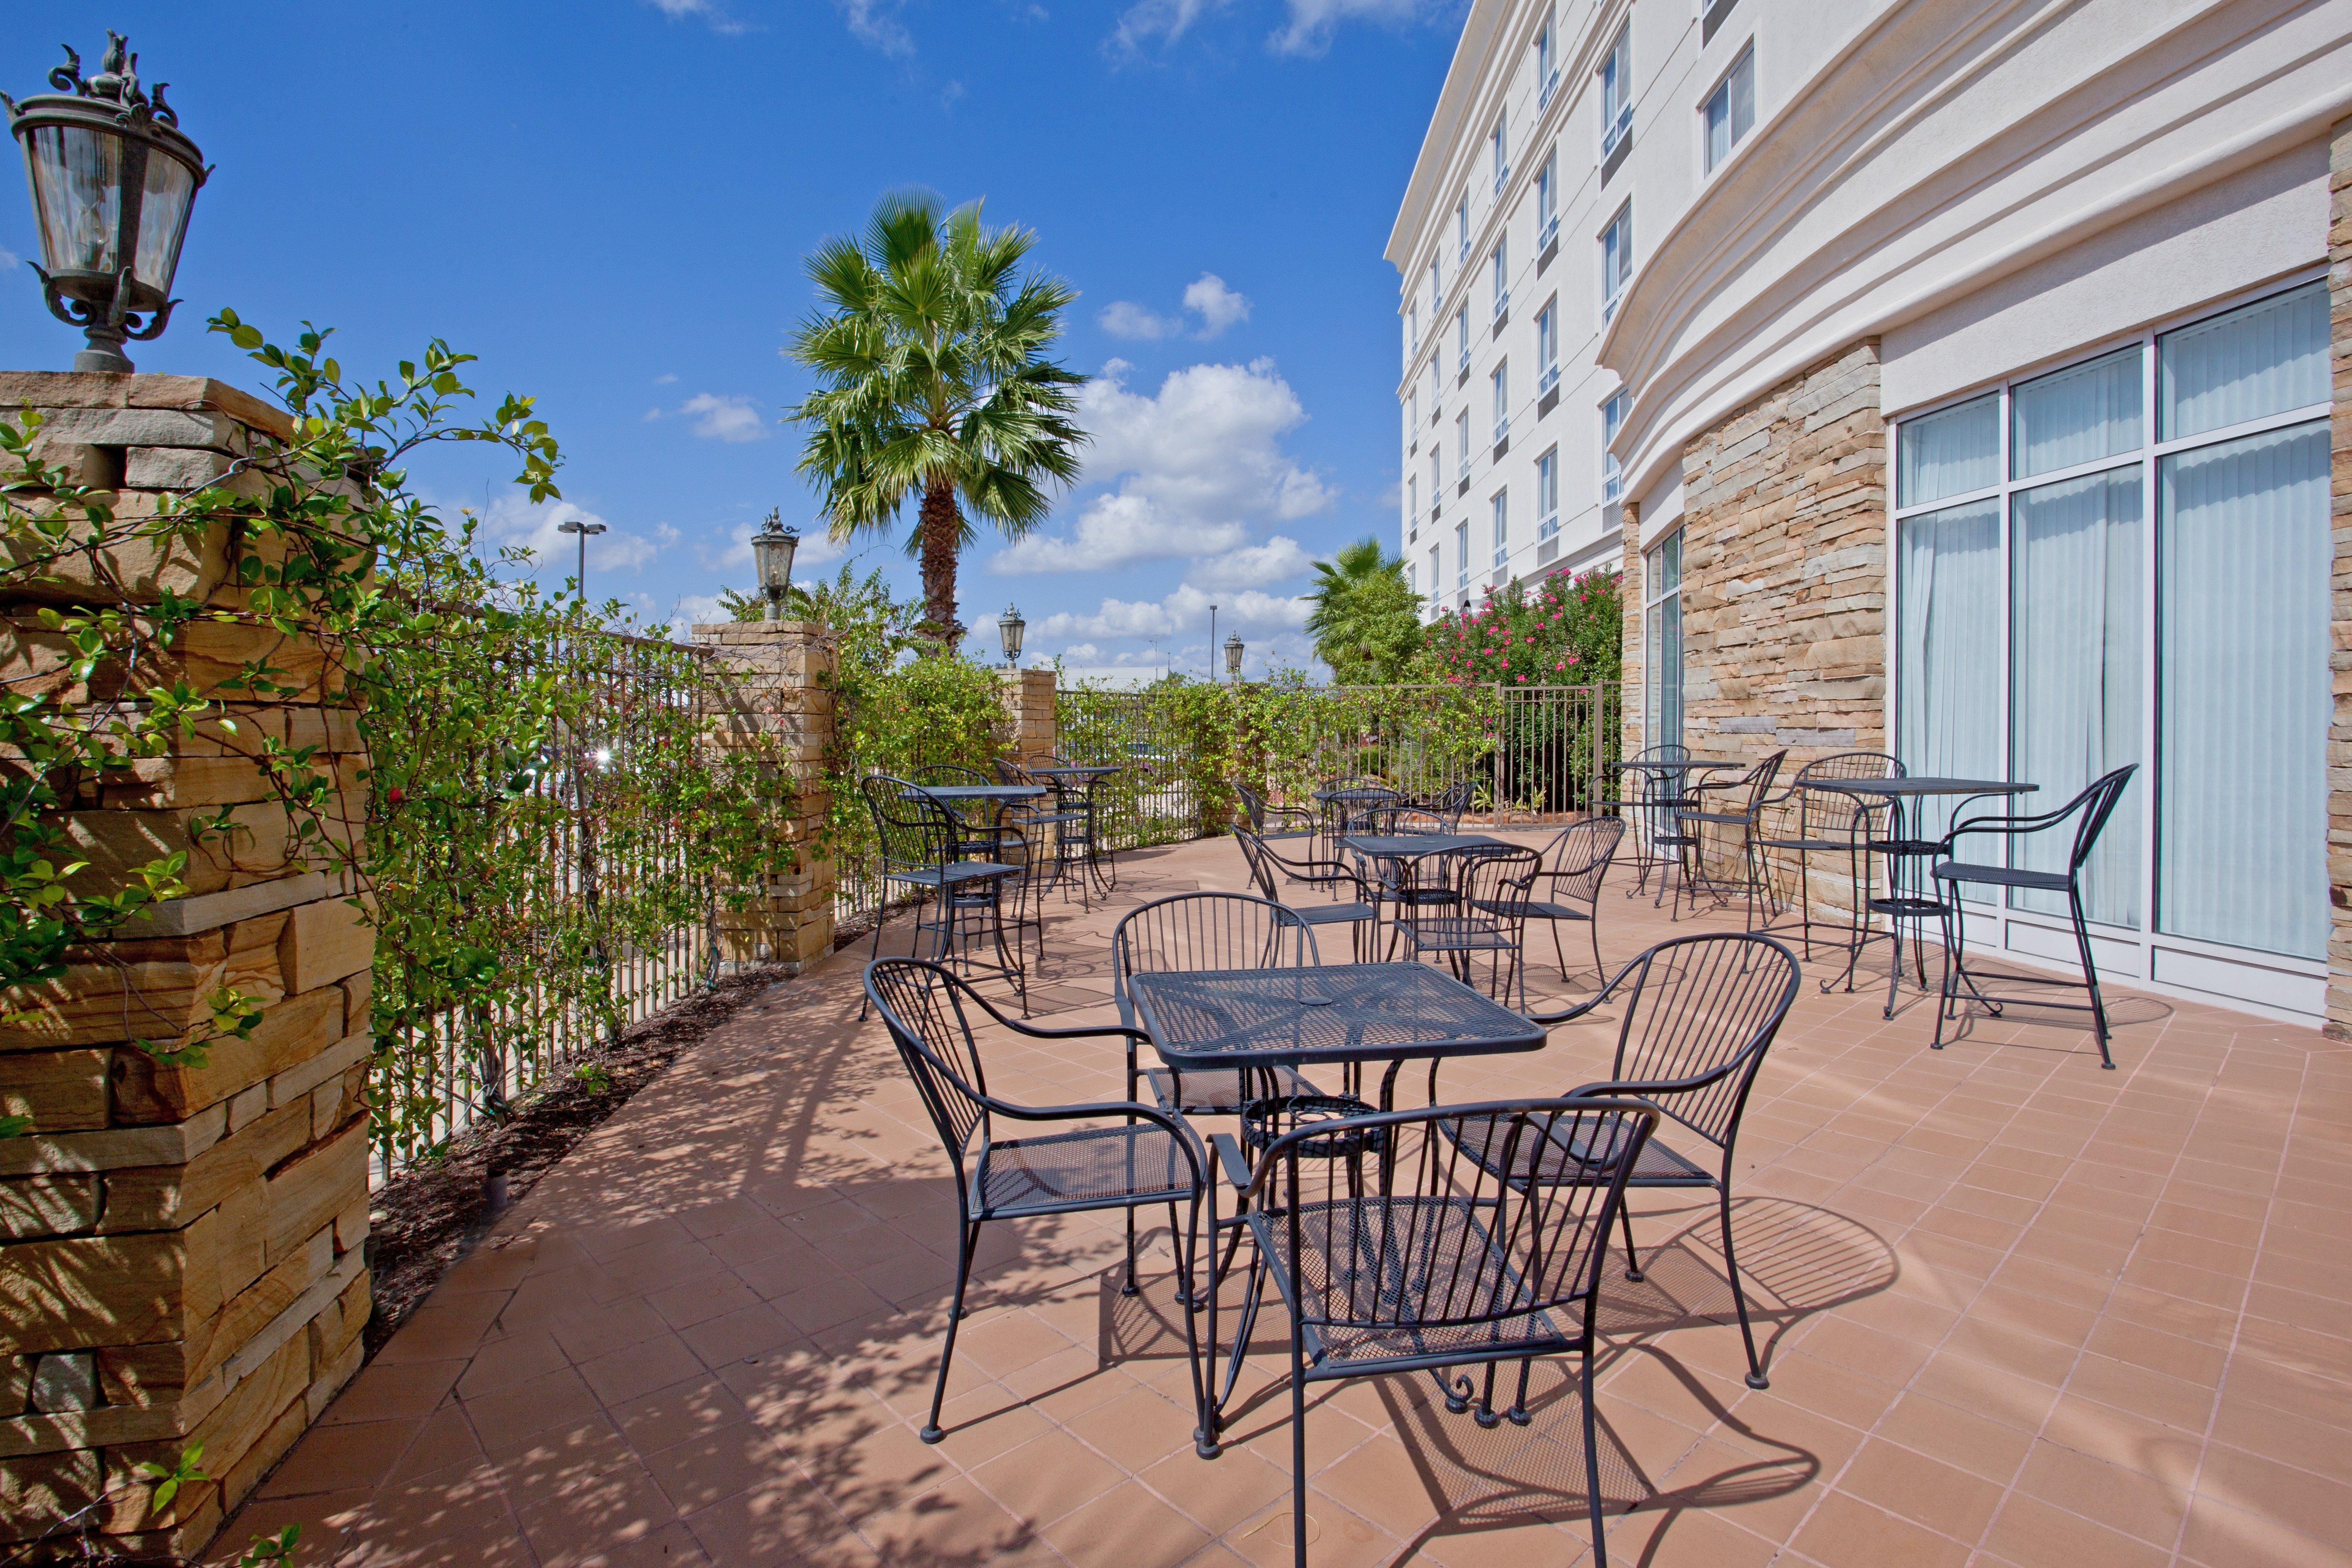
[[951, 773], [1499, 883], [1454, 1236], [1702, 1013], [1191, 932], [1388, 821], [913, 830], [2097, 804], [1580, 854], [922, 1006], [1451, 801], [1827, 811]]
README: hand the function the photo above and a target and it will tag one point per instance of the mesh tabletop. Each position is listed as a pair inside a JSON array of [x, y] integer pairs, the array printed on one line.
[[1366, 794], [1920, 786], [1380, 846], [1091, 770], [976, 792], [1336, 1013]]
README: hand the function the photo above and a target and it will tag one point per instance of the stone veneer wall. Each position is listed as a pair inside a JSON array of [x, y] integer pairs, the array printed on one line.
[[180, 1246], [2339, 736], [1029, 713], [784, 676]]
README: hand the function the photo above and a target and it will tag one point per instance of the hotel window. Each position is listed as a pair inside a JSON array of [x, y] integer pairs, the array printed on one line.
[[2079, 586], [1612, 416], [1546, 203], [1462, 337], [1462, 440], [1412, 415], [1436, 485], [1436, 391], [1662, 643], [1462, 226], [1547, 346], [1617, 91], [1413, 581], [1413, 330], [1502, 402], [1730, 110], [1548, 494], [1546, 68], [1433, 578], [1462, 556], [1616, 258], [1502, 168], [1436, 299], [1411, 505], [1502, 512], [1502, 279]]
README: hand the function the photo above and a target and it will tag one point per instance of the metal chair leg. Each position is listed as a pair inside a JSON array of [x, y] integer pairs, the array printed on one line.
[[1756, 1378], [1632, 1264], [965, 1245], [1593, 1468], [2090, 975]]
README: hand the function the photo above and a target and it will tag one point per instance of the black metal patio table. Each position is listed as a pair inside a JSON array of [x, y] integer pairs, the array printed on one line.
[[1079, 779], [997, 792], [1907, 896]]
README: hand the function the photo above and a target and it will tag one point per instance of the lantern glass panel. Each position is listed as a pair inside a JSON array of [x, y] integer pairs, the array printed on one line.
[[76, 176], [163, 220]]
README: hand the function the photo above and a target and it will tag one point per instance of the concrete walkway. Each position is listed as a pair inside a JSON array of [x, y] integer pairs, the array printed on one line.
[[2020, 1311]]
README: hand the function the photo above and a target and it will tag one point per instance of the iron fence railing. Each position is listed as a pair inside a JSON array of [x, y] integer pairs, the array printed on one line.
[[593, 916]]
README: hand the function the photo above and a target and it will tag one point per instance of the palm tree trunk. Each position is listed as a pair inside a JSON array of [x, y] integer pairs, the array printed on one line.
[[940, 530]]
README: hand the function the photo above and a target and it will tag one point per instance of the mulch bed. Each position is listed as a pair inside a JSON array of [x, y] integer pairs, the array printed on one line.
[[426, 1218]]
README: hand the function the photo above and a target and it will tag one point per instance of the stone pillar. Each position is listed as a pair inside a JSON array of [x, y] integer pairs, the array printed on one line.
[[782, 675], [1029, 708], [1628, 598], [180, 1246], [2339, 735]]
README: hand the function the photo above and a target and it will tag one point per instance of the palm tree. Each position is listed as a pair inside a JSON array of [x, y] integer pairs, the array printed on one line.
[[1367, 620], [930, 356]]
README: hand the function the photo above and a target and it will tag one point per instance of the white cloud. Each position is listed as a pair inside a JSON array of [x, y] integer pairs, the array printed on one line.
[[708, 12], [7, 261], [1253, 566], [1219, 306], [1186, 609], [717, 417], [519, 524], [665, 380], [1166, 20], [949, 94], [1207, 297], [874, 23], [1312, 22], [1194, 464], [817, 548]]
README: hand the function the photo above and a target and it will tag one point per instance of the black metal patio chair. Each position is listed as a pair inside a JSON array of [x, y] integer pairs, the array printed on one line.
[[1494, 888], [1354, 908], [921, 844], [1268, 820], [1143, 1158], [1448, 803], [1699, 1013], [1440, 1262], [2089, 812], [1830, 821], [1577, 862], [1736, 804], [1647, 801]]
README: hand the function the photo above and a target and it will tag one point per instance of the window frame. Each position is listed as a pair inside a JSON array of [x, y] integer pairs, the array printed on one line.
[[1612, 419], [1499, 380], [1651, 605], [1498, 513], [1616, 99], [1547, 346], [1613, 286], [1736, 133], [1548, 493], [2147, 459]]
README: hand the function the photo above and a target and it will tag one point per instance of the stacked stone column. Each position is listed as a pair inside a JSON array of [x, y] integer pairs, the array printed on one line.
[[1029, 714], [781, 678], [180, 1246]]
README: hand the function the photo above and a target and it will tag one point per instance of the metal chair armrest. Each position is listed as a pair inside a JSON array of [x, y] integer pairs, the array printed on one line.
[[1590, 1003], [1230, 1156], [1186, 1139]]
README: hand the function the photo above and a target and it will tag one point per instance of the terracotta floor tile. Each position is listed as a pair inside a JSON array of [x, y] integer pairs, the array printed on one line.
[[563, 1460], [627, 1374], [954, 1522], [712, 1465], [509, 1419], [390, 1392], [621, 1517], [2219, 1536], [2032, 1533], [1926, 1491], [341, 1457], [1846, 1532], [671, 1415], [1127, 1527], [787, 1522], [1043, 1480]]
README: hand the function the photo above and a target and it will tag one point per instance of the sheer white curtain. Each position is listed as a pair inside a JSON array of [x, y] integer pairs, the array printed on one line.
[[1948, 710], [2077, 416], [2258, 360], [2074, 680], [2244, 703], [1950, 453]]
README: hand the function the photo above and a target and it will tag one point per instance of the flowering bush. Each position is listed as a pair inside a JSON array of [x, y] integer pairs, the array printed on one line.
[[1560, 632]]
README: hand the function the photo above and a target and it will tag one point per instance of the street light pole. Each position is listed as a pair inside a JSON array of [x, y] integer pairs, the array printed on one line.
[[1212, 642], [584, 529]]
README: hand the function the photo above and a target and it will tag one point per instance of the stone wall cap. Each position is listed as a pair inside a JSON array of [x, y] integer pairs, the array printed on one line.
[[103, 389]]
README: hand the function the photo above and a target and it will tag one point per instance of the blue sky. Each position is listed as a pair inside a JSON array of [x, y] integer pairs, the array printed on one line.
[[608, 203]]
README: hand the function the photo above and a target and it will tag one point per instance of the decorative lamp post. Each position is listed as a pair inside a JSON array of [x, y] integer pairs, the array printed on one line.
[[1009, 626], [112, 182], [771, 552], [1234, 658], [574, 525]]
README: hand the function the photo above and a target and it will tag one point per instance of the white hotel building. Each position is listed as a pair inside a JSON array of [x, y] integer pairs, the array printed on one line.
[[1948, 377]]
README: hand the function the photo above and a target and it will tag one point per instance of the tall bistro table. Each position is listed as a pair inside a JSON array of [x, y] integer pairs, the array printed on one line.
[[1393, 849], [958, 797], [1070, 779], [1350, 1014], [1663, 789], [1907, 856]]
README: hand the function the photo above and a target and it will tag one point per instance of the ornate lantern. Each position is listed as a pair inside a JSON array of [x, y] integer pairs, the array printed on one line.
[[771, 552], [1234, 656], [112, 182], [1009, 628]]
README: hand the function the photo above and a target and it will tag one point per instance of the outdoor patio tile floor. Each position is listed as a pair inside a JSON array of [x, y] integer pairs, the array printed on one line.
[[2019, 1311]]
